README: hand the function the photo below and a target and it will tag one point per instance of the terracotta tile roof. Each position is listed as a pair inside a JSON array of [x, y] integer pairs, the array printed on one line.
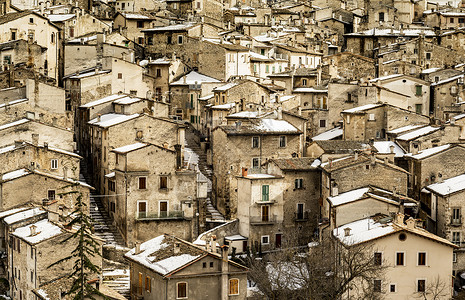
[[295, 164]]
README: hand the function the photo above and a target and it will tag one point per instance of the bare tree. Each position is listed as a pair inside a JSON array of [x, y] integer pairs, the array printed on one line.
[[326, 270], [434, 290]]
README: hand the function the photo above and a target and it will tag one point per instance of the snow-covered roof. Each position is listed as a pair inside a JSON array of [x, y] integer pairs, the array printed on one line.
[[428, 152], [362, 108], [404, 129], [285, 98], [244, 114], [160, 61], [90, 73], [260, 176], [12, 211], [44, 230], [13, 102], [448, 80], [256, 56], [84, 39], [109, 120], [236, 237], [15, 123], [384, 147], [103, 100], [148, 258], [386, 77], [329, 135], [25, 214], [348, 196], [430, 70], [309, 90], [362, 231], [225, 87], [175, 27], [273, 125], [15, 174], [127, 100], [417, 133], [194, 77], [129, 148], [224, 106], [7, 149], [135, 16], [207, 97], [60, 17], [110, 175], [448, 186], [394, 32]]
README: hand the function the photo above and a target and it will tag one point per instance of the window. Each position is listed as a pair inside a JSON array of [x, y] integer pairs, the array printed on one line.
[[54, 164], [267, 69], [32, 276], [282, 141], [428, 55], [148, 284], [163, 182], [163, 208], [52, 38], [454, 257], [322, 123], [451, 20], [371, 117], [456, 216], [255, 142], [265, 192], [204, 265], [377, 285], [111, 186], [418, 108], [234, 286], [140, 24], [31, 20], [381, 16], [421, 285], [453, 89], [456, 237], [418, 90], [265, 213], [180, 39], [51, 195], [32, 252], [142, 183], [300, 211], [415, 51], [304, 82], [142, 209], [298, 183], [265, 239], [181, 292], [256, 163], [400, 258], [120, 75], [392, 288], [13, 34], [378, 258], [461, 20], [158, 73], [168, 39], [18, 247], [211, 264], [140, 40], [422, 258]]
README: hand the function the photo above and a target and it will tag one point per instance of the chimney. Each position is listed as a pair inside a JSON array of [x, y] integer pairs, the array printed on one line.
[[137, 248], [410, 223], [280, 113], [45, 146], [391, 149], [213, 243], [238, 125], [33, 230], [373, 159], [244, 172], [179, 163], [184, 79], [386, 160], [400, 219], [224, 273], [452, 121], [65, 173], [347, 231], [356, 155], [177, 248], [414, 149], [35, 139], [99, 117], [299, 111]]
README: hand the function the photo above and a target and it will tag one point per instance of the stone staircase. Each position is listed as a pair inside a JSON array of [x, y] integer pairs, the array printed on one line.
[[103, 225], [192, 143]]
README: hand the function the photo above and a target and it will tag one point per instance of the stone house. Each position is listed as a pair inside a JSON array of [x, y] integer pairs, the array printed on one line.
[[445, 19], [349, 66], [42, 157], [433, 165], [20, 52], [338, 176], [446, 97], [248, 94], [442, 204], [416, 260], [248, 146], [36, 132], [35, 28], [77, 24], [325, 150], [428, 137], [453, 39], [161, 194], [181, 270], [131, 24], [372, 121], [301, 194], [111, 131], [39, 187], [164, 71], [36, 100]]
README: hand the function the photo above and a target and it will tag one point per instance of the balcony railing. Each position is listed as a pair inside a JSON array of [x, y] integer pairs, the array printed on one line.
[[173, 214], [456, 222], [263, 220], [264, 202]]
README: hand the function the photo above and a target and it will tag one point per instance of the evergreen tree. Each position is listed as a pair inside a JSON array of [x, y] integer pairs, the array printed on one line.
[[86, 248]]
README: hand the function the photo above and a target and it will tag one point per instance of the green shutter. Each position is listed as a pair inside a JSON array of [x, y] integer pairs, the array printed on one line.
[[418, 90], [265, 192]]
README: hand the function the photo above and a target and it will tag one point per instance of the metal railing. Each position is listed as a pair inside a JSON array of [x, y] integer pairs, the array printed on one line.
[[262, 220], [173, 214]]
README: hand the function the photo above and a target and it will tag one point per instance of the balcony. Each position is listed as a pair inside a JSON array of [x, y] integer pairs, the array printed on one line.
[[263, 220], [265, 202], [456, 222], [301, 216], [147, 216]]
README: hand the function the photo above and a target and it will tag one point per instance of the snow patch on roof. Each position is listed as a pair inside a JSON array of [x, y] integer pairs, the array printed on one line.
[[428, 152], [194, 78], [362, 231], [404, 128], [348, 196], [361, 108], [23, 215], [272, 125], [44, 230], [449, 186], [417, 133], [309, 90], [384, 147], [110, 98], [15, 123], [108, 120], [129, 148], [328, 135], [225, 87], [15, 174]]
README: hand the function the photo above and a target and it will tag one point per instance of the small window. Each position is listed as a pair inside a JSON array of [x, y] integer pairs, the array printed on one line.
[[140, 24], [163, 182], [234, 286], [400, 258], [418, 108], [378, 258], [282, 141], [298, 184], [181, 292], [31, 20], [51, 195], [381, 16], [392, 288], [456, 216], [371, 117], [265, 239], [256, 163], [180, 39], [456, 237], [377, 286], [142, 183], [204, 265], [451, 20], [255, 142], [421, 285], [158, 73], [211, 264], [454, 257], [322, 123], [304, 82], [418, 90], [428, 55], [32, 276], [148, 284], [120, 75], [54, 164], [422, 258]]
